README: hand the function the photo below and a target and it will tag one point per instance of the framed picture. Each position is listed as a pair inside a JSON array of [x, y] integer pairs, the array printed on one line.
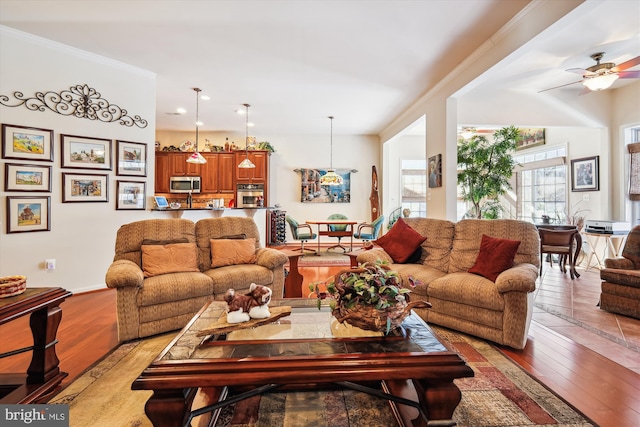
[[530, 137], [18, 177], [25, 143], [131, 158], [84, 188], [585, 174], [131, 195], [435, 171], [26, 214], [79, 152]]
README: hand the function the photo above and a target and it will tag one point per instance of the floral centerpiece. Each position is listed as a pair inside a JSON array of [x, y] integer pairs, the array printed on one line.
[[369, 297]]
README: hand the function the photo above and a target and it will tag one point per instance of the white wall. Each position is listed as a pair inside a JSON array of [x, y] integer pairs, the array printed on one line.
[[395, 151], [82, 236]]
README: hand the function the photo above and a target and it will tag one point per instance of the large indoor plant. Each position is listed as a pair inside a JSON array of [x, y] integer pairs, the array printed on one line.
[[369, 297], [484, 170]]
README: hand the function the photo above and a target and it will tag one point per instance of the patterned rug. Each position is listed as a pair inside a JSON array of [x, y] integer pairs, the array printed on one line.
[[325, 258], [499, 395]]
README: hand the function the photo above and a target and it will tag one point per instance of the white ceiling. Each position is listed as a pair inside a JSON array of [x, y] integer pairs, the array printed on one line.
[[298, 61]]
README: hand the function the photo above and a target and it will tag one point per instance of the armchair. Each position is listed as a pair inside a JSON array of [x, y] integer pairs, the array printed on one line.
[[368, 232], [338, 230], [620, 289], [302, 232]]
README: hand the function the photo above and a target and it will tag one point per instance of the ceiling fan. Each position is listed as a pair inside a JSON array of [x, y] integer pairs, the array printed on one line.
[[602, 75]]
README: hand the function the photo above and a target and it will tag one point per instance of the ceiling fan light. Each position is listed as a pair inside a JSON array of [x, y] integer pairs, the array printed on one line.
[[600, 82], [331, 178]]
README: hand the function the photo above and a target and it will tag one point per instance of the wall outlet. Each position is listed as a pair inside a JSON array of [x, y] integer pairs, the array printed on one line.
[[585, 197], [50, 264]]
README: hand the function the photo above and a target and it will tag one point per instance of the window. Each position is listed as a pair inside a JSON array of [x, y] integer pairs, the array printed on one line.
[[542, 185], [414, 187]]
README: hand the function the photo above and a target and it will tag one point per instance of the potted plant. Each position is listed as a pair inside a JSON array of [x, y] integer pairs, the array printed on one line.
[[369, 297], [484, 170]]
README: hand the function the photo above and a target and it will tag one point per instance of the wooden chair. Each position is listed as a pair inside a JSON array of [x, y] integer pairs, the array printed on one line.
[[565, 242]]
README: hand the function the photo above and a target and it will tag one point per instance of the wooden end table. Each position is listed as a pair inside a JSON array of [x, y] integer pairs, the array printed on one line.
[[43, 374], [293, 282]]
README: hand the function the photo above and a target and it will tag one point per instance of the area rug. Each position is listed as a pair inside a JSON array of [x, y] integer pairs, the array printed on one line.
[[499, 395], [324, 259]]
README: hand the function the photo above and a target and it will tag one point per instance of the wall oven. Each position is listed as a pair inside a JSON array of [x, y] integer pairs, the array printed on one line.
[[250, 196], [184, 184]]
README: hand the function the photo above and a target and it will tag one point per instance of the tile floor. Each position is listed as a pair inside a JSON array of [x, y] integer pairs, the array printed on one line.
[[569, 307]]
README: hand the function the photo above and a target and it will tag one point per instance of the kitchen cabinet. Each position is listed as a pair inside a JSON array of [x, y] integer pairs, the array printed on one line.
[[179, 166], [162, 172], [217, 173], [260, 173]]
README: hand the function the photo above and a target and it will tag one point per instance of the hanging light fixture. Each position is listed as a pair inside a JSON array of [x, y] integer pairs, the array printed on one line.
[[600, 82], [196, 157], [246, 163], [331, 177]]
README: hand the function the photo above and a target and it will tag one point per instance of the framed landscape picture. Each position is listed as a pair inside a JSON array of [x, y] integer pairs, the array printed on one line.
[[79, 152], [84, 188], [18, 177], [131, 195], [131, 158], [27, 214], [585, 174], [26, 143]]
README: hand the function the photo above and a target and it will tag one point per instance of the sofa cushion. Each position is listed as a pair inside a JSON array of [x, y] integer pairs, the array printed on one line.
[[168, 258], [467, 289], [232, 252], [495, 256], [238, 277], [401, 241], [173, 287], [621, 277]]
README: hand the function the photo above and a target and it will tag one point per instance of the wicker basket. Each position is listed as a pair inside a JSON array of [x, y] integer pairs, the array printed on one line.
[[372, 319], [12, 285]]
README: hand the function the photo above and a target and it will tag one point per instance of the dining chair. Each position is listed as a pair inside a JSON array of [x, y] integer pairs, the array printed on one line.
[[566, 243], [369, 231], [302, 232], [338, 230]]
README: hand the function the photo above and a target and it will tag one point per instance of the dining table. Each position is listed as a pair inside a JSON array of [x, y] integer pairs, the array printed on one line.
[[324, 229]]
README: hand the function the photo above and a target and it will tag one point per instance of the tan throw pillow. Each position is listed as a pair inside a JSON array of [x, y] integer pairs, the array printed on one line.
[[232, 252], [169, 258]]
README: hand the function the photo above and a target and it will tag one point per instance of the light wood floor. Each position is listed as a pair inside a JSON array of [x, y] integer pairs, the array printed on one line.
[[601, 388]]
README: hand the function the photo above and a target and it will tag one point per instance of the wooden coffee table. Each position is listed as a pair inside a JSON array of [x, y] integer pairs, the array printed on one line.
[[411, 368]]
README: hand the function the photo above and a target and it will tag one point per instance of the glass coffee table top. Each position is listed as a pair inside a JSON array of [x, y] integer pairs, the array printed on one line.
[[306, 332]]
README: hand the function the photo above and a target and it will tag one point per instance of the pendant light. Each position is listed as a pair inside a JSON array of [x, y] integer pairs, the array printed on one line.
[[246, 163], [196, 157], [331, 177]]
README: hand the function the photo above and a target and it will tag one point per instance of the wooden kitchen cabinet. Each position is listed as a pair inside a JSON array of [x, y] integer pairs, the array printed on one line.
[[217, 173], [162, 173], [258, 174], [179, 166], [226, 165]]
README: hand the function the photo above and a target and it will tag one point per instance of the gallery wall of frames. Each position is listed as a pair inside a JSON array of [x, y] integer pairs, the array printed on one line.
[[86, 165]]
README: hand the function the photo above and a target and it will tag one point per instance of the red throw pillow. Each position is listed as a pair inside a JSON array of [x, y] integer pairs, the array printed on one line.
[[495, 256], [400, 242]]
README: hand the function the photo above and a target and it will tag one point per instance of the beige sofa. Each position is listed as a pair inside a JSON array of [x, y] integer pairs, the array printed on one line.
[[151, 305], [499, 311]]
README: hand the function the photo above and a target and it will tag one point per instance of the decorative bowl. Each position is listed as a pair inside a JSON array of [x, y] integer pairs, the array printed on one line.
[[12, 285], [174, 205]]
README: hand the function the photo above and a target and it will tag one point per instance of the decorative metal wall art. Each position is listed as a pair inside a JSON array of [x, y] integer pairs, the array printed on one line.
[[80, 101]]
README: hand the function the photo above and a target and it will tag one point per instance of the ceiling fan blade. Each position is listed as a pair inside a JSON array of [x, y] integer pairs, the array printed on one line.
[[581, 71], [629, 74], [628, 64], [556, 87]]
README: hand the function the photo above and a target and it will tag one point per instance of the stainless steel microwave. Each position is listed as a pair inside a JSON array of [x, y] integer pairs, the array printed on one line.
[[184, 184]]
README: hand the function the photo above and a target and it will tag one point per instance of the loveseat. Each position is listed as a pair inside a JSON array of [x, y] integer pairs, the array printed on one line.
[[499, 310], [164, 271]]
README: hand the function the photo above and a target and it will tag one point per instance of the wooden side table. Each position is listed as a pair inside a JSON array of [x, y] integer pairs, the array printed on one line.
[[43, 374], [293, 282]]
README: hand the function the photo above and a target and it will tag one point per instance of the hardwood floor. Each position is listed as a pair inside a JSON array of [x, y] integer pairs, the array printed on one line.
[[605, 390]]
